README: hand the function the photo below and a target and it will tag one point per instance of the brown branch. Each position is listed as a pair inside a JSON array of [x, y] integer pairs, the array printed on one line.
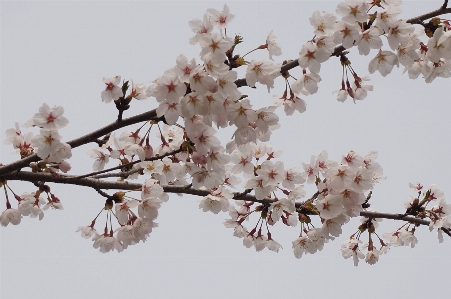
[[101, 184], [91, 137], [400, 217], [123, 174], [441, 11]]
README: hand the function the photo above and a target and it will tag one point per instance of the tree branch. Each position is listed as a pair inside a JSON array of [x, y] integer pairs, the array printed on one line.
[[97, 184], [441, 11], [338, 50], [410, 219], [91, 137], [125, 174]]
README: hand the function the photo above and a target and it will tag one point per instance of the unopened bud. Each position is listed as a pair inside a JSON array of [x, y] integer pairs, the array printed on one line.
[[304, 218]]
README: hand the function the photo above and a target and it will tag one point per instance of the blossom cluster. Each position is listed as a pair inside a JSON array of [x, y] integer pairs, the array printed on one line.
[[341, 188], [192, 98], [360, 27], [47, 145], [29, 204]]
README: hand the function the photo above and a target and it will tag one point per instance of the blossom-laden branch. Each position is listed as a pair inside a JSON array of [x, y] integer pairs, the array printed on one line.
[[402, 217], [97, 185], [125, 174], [339, 50], [207, 94], [151, 115], [91, 137]]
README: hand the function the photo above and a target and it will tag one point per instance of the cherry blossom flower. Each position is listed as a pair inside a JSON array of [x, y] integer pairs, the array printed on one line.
[[50, 119], [300, 245], [220, 19], [88, 232], [150, 188], [217, 45], [200, 28], [168, 87], [383, 62], [171, 110], [139, 91], [311, 58], [353, 11], [263, 72], [10, 215], [216, 201], [332, 227], [112, 91], [306, 82], [106, 243], [122, 210], [369, 39], [184, 68], [100, 158], [47, 142], [346, 34], [271, 244], [351, 248], [399, 33], [330, 206], [272, 45], [148, 208], [60, 152], [14, 137], [322, 22], [387, 17], [271, 173], [440, 69]]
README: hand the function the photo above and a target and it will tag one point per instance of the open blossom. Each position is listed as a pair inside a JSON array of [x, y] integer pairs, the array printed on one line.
[[263, 72], [271, 173], [12, 216], [50, 119], [369, 39], [220, 19], [351, 248], [88, 232], [387, 17], [61, 152], [353, 11], [14, 136], [311, 58], [168, 87], [100, 158], [112, 90], [106, 243], [322, 23], [214, 43], [399, 33], [184, 68], [216, 201], [272, 45], [200, 28], [383, 62], [307, 84], [139, 91], [346, 34], [47, 142]]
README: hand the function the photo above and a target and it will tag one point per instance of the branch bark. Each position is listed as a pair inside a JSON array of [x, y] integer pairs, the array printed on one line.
[[91, 137], [97, 185]]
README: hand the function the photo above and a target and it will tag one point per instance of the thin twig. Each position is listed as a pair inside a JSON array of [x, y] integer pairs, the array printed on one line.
[[91, 137], [128, 164]]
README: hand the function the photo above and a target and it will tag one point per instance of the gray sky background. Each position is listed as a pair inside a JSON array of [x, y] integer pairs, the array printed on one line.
[[58, 52]]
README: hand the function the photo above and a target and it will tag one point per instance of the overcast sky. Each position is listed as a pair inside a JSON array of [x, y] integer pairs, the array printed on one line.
[[58, 52]]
